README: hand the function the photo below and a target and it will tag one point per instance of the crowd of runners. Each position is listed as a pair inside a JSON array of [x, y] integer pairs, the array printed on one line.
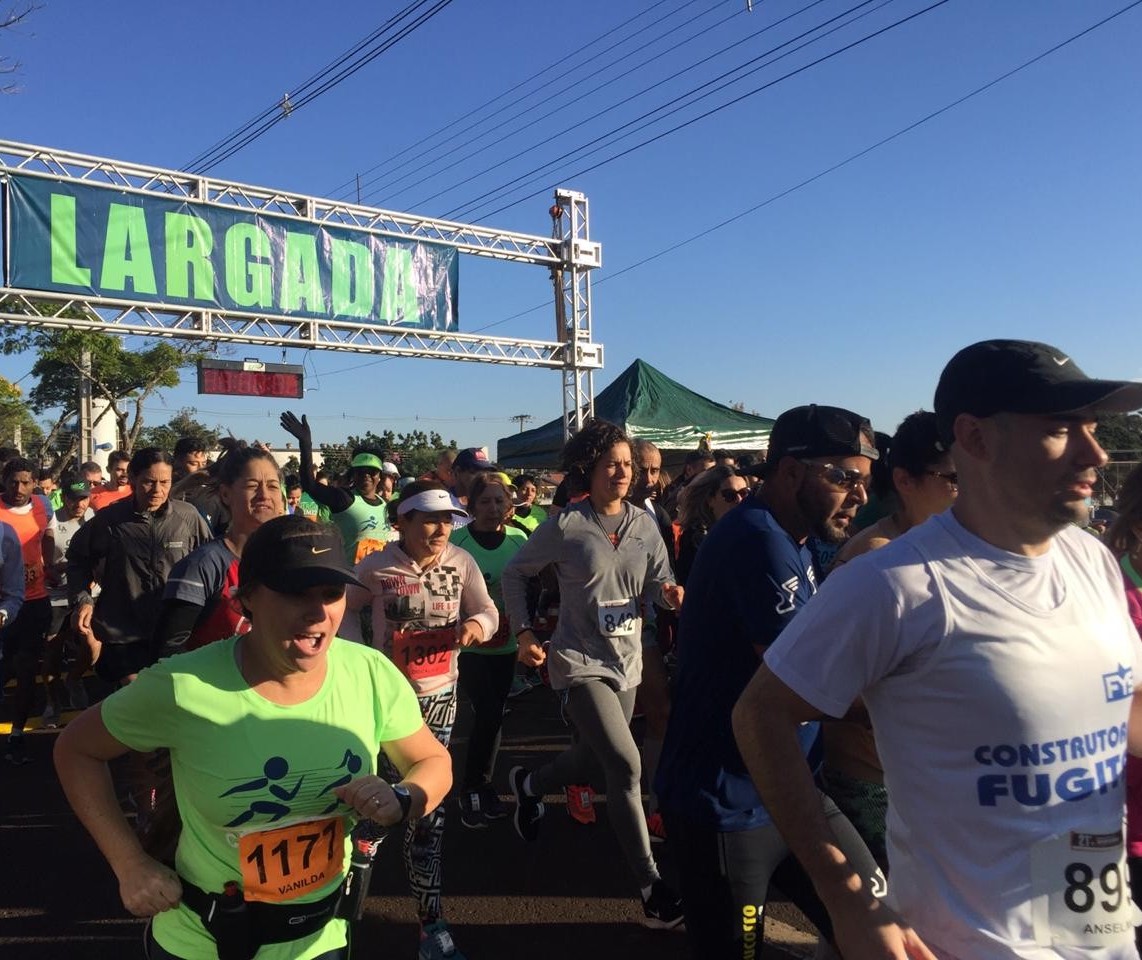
[[890, 676]]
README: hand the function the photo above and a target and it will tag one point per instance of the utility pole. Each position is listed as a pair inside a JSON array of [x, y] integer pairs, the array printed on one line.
[[86, 444], [521, 419]]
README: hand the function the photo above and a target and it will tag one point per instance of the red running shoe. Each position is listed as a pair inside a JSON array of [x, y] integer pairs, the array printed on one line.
[[580, 804]]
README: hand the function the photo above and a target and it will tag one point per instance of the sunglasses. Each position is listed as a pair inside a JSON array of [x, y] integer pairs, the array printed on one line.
[[734, 496], [849, 479], [953, 478]]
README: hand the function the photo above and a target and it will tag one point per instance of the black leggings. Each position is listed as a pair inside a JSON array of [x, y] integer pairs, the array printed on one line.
[[725, 880], [152, 950], [485, 679]]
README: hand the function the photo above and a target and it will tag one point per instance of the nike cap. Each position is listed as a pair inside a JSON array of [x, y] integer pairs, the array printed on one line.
[[471, 460], [367, 461], [1022, 376], [291, 554]]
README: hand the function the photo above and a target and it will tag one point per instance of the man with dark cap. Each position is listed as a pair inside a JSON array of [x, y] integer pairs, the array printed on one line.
[[750, 580], [993, 650]]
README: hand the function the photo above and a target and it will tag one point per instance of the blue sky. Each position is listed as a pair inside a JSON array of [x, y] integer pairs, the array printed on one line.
[[1015, 214]]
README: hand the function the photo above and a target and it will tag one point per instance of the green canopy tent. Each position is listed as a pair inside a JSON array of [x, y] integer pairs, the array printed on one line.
[[650, 406]]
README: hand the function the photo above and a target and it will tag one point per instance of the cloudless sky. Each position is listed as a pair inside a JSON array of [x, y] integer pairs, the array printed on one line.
[[1018, 213]]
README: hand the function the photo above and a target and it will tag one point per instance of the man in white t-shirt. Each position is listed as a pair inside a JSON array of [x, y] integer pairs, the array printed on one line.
[[994, 652]]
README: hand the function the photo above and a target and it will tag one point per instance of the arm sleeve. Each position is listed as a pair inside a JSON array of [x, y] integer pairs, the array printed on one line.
[[475, 601], [12, 572], [176, 623], [541, 549], [335, 499]]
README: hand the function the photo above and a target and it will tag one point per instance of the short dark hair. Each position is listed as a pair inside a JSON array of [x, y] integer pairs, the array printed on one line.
[[523, 478], [18, 465], [90, 466], [117, 456], [588, 447], [146, 458], [292, 481], [45, 474], [185, 445], [916, 445], [8, 453]]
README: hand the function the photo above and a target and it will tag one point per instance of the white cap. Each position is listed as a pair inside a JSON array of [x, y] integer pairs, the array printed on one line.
[[390, 469], [430, 501]]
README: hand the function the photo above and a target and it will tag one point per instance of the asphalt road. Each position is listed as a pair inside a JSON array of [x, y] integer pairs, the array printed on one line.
[[566, 897]]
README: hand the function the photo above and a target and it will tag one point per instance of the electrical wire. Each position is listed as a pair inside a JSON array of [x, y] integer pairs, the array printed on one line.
[[315, 78], [852, 158], [487, 197], [324, 87], [666, 109], [449, 127], [560, 97]]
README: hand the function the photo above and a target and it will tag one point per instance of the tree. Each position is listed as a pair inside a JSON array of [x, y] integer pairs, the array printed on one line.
[[126, 379], [12, 15], [182, 424], [17, 427], [1120, 433], [414, 453]]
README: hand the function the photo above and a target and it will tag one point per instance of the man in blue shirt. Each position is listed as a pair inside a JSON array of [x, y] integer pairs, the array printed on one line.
[[752, 575]]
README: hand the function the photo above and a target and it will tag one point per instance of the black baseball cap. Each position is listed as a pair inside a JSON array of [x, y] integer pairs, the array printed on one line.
[[472, 459], [1022, 376], [291, 554], [77, 489], [816, 431]]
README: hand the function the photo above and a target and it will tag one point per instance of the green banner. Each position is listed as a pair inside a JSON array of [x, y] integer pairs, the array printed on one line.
[[77, 238]]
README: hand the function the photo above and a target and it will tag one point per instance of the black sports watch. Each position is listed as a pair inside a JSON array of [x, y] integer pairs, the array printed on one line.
[[404, 798]]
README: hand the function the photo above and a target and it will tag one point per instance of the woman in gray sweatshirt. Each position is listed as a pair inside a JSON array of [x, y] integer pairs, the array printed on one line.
[[609, 558]]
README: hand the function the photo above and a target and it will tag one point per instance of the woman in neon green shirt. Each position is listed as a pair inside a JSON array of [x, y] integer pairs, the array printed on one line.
[[273, 738]]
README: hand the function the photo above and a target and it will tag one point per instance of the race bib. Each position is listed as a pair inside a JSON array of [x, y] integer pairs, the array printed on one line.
[[1080, 891], [421, 654], [618, 618], [288, 862]]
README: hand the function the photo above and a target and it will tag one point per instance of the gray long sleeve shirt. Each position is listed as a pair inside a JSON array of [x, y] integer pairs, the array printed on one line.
[[599, 633]]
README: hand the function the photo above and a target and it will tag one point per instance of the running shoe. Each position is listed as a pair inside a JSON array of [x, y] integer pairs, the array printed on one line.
[[663, 908], [436, 943], [655, 827], [494, 808], [472, 810], [50, 718], [528, 810], [581, 804], [17, 752]]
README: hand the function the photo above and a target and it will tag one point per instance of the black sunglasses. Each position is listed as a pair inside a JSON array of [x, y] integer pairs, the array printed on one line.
[[953, 478], [734, 496], [849, 479]]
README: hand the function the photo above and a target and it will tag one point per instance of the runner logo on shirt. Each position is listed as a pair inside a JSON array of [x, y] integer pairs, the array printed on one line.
[[787, 596], [1118, 684]]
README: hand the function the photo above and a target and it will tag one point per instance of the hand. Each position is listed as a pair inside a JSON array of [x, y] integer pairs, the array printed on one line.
[[148, 887], [468, 633], [298, 429], [672, 593], [373, 799], [874, 932], [531, 653], [81, 619]]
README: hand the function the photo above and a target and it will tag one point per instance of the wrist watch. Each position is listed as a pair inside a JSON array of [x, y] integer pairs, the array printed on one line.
[[404, 798]]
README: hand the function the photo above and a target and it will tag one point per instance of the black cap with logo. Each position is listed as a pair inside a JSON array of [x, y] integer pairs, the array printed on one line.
[[1022, 376], [816, 431], [291, 554]]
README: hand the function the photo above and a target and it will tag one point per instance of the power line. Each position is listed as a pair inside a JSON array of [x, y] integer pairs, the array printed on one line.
[[563, 104], [583, 148], [269, 111], [560, 97], [676, 106], [449, 127], [324, 87], [852, 158]]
